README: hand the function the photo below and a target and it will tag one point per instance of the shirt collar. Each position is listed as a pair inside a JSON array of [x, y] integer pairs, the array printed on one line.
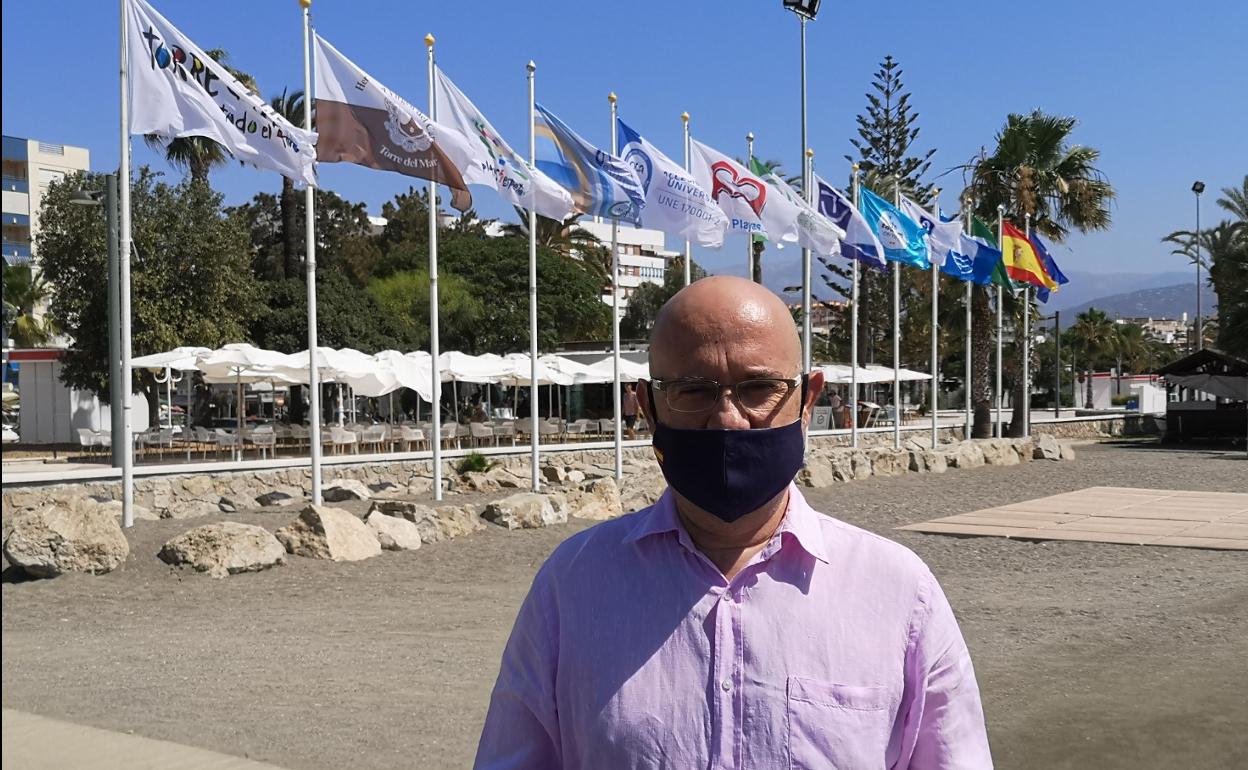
[[800, 520]]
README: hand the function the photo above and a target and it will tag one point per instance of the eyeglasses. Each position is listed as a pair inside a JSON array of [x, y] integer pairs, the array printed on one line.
[[759, 395]]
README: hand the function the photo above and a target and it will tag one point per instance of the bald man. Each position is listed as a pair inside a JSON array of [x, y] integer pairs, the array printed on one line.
[[730, 625]]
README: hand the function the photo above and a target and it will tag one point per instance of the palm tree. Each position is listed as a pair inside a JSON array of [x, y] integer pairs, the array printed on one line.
[[562, 236], [1093, 336], [24, 292], [199, 154], [289, 106], [1033, 170]]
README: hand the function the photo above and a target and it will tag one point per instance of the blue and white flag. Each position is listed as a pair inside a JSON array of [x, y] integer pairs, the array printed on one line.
[[814, 230], [983, 258], [904, 240], [942, 236], [675, 202], [1046, 259], [601, 184], [859, 242]]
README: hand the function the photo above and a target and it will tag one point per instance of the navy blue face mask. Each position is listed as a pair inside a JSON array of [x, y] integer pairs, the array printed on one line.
[[729, 473]]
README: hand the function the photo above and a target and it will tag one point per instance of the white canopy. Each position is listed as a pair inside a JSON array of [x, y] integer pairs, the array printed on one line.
[[885, 374], [240, 361], [842, 374], [182, 359], [1222, 385], [630, 371]]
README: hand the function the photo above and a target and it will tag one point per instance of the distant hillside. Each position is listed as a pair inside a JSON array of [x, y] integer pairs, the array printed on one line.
[[1165, 302]]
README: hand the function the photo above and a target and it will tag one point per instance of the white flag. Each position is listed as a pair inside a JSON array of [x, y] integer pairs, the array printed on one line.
[[740, 194], [492, 162], [942, 237], [177, 90], [675, 202], [814, 231]]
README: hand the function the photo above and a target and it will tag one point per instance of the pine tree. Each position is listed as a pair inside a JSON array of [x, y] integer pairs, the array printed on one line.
[[886, 133]]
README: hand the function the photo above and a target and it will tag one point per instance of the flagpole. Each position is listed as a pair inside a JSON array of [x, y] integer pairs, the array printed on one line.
[[1000, 326], [853, 339], [684, 118], [935, 368], [970, 295], [749, 237], [897, 332], [808, 173], [123, 263], [615, 311], [314, 387], [535, 479], [1027, 346], [435, 368]]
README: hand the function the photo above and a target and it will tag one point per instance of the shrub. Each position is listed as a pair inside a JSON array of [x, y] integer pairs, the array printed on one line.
[[474, 462]]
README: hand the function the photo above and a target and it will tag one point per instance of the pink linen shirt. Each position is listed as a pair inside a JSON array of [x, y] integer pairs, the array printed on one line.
[[832, 648]]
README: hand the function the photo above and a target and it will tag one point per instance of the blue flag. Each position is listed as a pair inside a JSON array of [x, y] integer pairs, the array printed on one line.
[[904, 240], [600, 183], [859, 242], [982, 257], [1046, 259]]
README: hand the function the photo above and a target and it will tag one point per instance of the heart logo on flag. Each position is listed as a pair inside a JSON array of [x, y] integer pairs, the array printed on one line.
[[724, 179]]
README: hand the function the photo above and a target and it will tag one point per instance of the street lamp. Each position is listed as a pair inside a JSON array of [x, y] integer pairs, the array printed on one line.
[[804, 8], [108, 198], [806, 11], [1056, 318], [1198, 187]]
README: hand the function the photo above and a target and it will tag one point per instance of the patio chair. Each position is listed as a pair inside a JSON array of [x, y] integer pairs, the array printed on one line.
[[506, 429], [409, 435], [227, 440], [577, 429], [373, 436], [607, 428], [481, 434], [341, 437], [264, 440], [545, 428], [87, 440]]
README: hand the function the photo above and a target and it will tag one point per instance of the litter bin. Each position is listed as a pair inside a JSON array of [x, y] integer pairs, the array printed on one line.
[[1133, 405]]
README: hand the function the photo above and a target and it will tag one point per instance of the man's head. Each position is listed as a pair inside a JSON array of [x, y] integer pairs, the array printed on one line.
[[726, 329]]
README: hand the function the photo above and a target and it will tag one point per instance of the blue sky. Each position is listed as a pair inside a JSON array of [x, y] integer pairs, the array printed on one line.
[[1157, 87]]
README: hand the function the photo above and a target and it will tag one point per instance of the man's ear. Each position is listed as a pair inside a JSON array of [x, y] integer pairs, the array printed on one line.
[[643, 401], [814, 388]]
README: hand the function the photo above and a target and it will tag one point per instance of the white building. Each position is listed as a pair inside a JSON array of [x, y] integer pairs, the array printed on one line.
[[643, 257], [29, 166]]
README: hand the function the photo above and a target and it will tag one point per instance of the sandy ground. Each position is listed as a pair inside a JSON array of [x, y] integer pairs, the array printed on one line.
[[1088, 655]]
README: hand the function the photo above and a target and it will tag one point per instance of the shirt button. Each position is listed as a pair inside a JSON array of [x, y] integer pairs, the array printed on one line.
[[727, 596], [726, 685]]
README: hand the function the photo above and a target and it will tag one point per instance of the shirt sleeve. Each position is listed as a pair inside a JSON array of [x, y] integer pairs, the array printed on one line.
[[944, 719], [522, 725]]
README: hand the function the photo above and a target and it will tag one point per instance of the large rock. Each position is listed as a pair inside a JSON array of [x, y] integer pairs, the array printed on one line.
[[457, 520], [966, 454], [343, 490], [322, 532], [555, 474], [928, 461], [889, 462], [525, 510], [641, 491], [1068, 450], [55, 539], [1047, 448], [816, 473], [138, 512], [575, 476], [998, 451], [598, 500], [225, 548], [1025, 448], [393, 533], [841, 464], [190, 509], [862, 464], [433, 524], [480, 482], [276, 498]]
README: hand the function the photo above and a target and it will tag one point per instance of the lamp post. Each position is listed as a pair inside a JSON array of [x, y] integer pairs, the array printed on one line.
[[806, 11], [1198, 187], [1056, 318], [108, 197]]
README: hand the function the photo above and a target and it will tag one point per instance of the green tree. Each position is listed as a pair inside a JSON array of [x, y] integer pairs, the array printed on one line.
[[24, 293], [198, 155], [404, 297], [347, 316], [291, 107], [1092, 339], [1034, 170], [190, 279]]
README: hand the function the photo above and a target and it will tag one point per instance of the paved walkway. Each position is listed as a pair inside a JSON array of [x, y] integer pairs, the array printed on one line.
[[33, 742]]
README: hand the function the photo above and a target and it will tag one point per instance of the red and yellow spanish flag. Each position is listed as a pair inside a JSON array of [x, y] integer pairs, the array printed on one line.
[[1020, 258]]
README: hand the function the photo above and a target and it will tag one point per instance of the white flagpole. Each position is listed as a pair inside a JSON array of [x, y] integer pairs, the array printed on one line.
[[684, 118], [970, 296], [808, 174], [123, 260], [935, 367], [314, 386], [1027, 346], [615, 311], [853, 339], [1000, 326], [896, 333], [434, 352], [749, 237], [535, 479]]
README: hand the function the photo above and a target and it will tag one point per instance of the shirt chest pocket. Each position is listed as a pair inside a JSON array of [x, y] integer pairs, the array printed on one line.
[[837, 726]]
